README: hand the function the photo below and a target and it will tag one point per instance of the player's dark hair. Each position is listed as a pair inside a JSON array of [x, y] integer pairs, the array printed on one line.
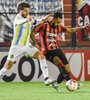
[[22, 5], [58, 15]]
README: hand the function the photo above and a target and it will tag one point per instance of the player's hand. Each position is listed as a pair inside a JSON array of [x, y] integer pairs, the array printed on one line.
[[87, 26], [48, 17], [29, 18]]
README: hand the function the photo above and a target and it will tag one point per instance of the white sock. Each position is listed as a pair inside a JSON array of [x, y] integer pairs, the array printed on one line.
[[3, 71], [44, 68]]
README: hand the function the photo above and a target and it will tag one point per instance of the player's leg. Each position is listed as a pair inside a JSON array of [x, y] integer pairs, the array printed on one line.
[[35, 53], [14, 53], [49, 55], [54, 56], [64, 70], [7, 66], [59, 64], [38, 55], [62, 58], [63, 73]]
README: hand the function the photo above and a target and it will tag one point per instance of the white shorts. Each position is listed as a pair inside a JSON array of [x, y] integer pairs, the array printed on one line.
[[16, 51]]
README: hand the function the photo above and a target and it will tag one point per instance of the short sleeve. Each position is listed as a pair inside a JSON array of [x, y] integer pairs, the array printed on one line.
[[62, 29]]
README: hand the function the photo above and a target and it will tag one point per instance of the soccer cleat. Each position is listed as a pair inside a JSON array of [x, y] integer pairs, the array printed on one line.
[[1, 77], [49, 81], [55, 85], [79, 85]]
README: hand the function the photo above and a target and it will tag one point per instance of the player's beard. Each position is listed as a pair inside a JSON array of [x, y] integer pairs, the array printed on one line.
[[24, 15]]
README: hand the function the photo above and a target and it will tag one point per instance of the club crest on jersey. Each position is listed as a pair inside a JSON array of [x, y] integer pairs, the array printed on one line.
[[11, 56]]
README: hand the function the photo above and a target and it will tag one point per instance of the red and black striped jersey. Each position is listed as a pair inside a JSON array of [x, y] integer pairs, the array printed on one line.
[[48, 36]]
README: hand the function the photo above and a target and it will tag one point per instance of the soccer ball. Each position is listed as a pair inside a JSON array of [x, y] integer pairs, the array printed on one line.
[[71, 85]]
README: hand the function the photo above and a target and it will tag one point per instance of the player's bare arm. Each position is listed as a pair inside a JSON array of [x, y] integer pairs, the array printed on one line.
[[32, 36], [73, 30], [47, 17]]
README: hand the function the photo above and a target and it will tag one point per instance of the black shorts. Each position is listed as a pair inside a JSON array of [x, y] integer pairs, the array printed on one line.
[[57, 52]]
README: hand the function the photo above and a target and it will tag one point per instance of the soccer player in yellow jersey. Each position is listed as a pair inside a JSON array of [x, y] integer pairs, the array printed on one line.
[[20, 43]]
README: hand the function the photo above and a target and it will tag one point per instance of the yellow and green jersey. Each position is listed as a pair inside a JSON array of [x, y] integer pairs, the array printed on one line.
[[22, 30]]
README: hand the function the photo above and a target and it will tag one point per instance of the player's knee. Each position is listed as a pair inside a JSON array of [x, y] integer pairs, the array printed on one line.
[[41, 56], [67, 68], [38, 55]]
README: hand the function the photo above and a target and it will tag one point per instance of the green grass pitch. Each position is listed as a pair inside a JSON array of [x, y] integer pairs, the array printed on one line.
[[38, 91]]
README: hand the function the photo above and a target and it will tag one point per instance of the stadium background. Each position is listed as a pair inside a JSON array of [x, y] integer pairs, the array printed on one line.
[[75, 47]]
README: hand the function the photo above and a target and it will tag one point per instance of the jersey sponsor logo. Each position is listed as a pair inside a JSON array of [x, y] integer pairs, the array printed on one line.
[[51, 40], [50, 34]]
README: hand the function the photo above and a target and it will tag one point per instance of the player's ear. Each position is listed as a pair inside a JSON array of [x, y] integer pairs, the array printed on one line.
[[20, 11], [54, 19]]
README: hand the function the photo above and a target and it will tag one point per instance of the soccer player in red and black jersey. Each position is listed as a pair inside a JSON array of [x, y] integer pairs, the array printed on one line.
[[49, 47]]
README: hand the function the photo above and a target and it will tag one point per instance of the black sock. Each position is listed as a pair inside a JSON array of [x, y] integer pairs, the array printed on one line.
[[60, 78], [65, 74]]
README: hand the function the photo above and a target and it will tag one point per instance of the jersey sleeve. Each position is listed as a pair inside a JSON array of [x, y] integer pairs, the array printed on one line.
[[62, 29], [40, 27]]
